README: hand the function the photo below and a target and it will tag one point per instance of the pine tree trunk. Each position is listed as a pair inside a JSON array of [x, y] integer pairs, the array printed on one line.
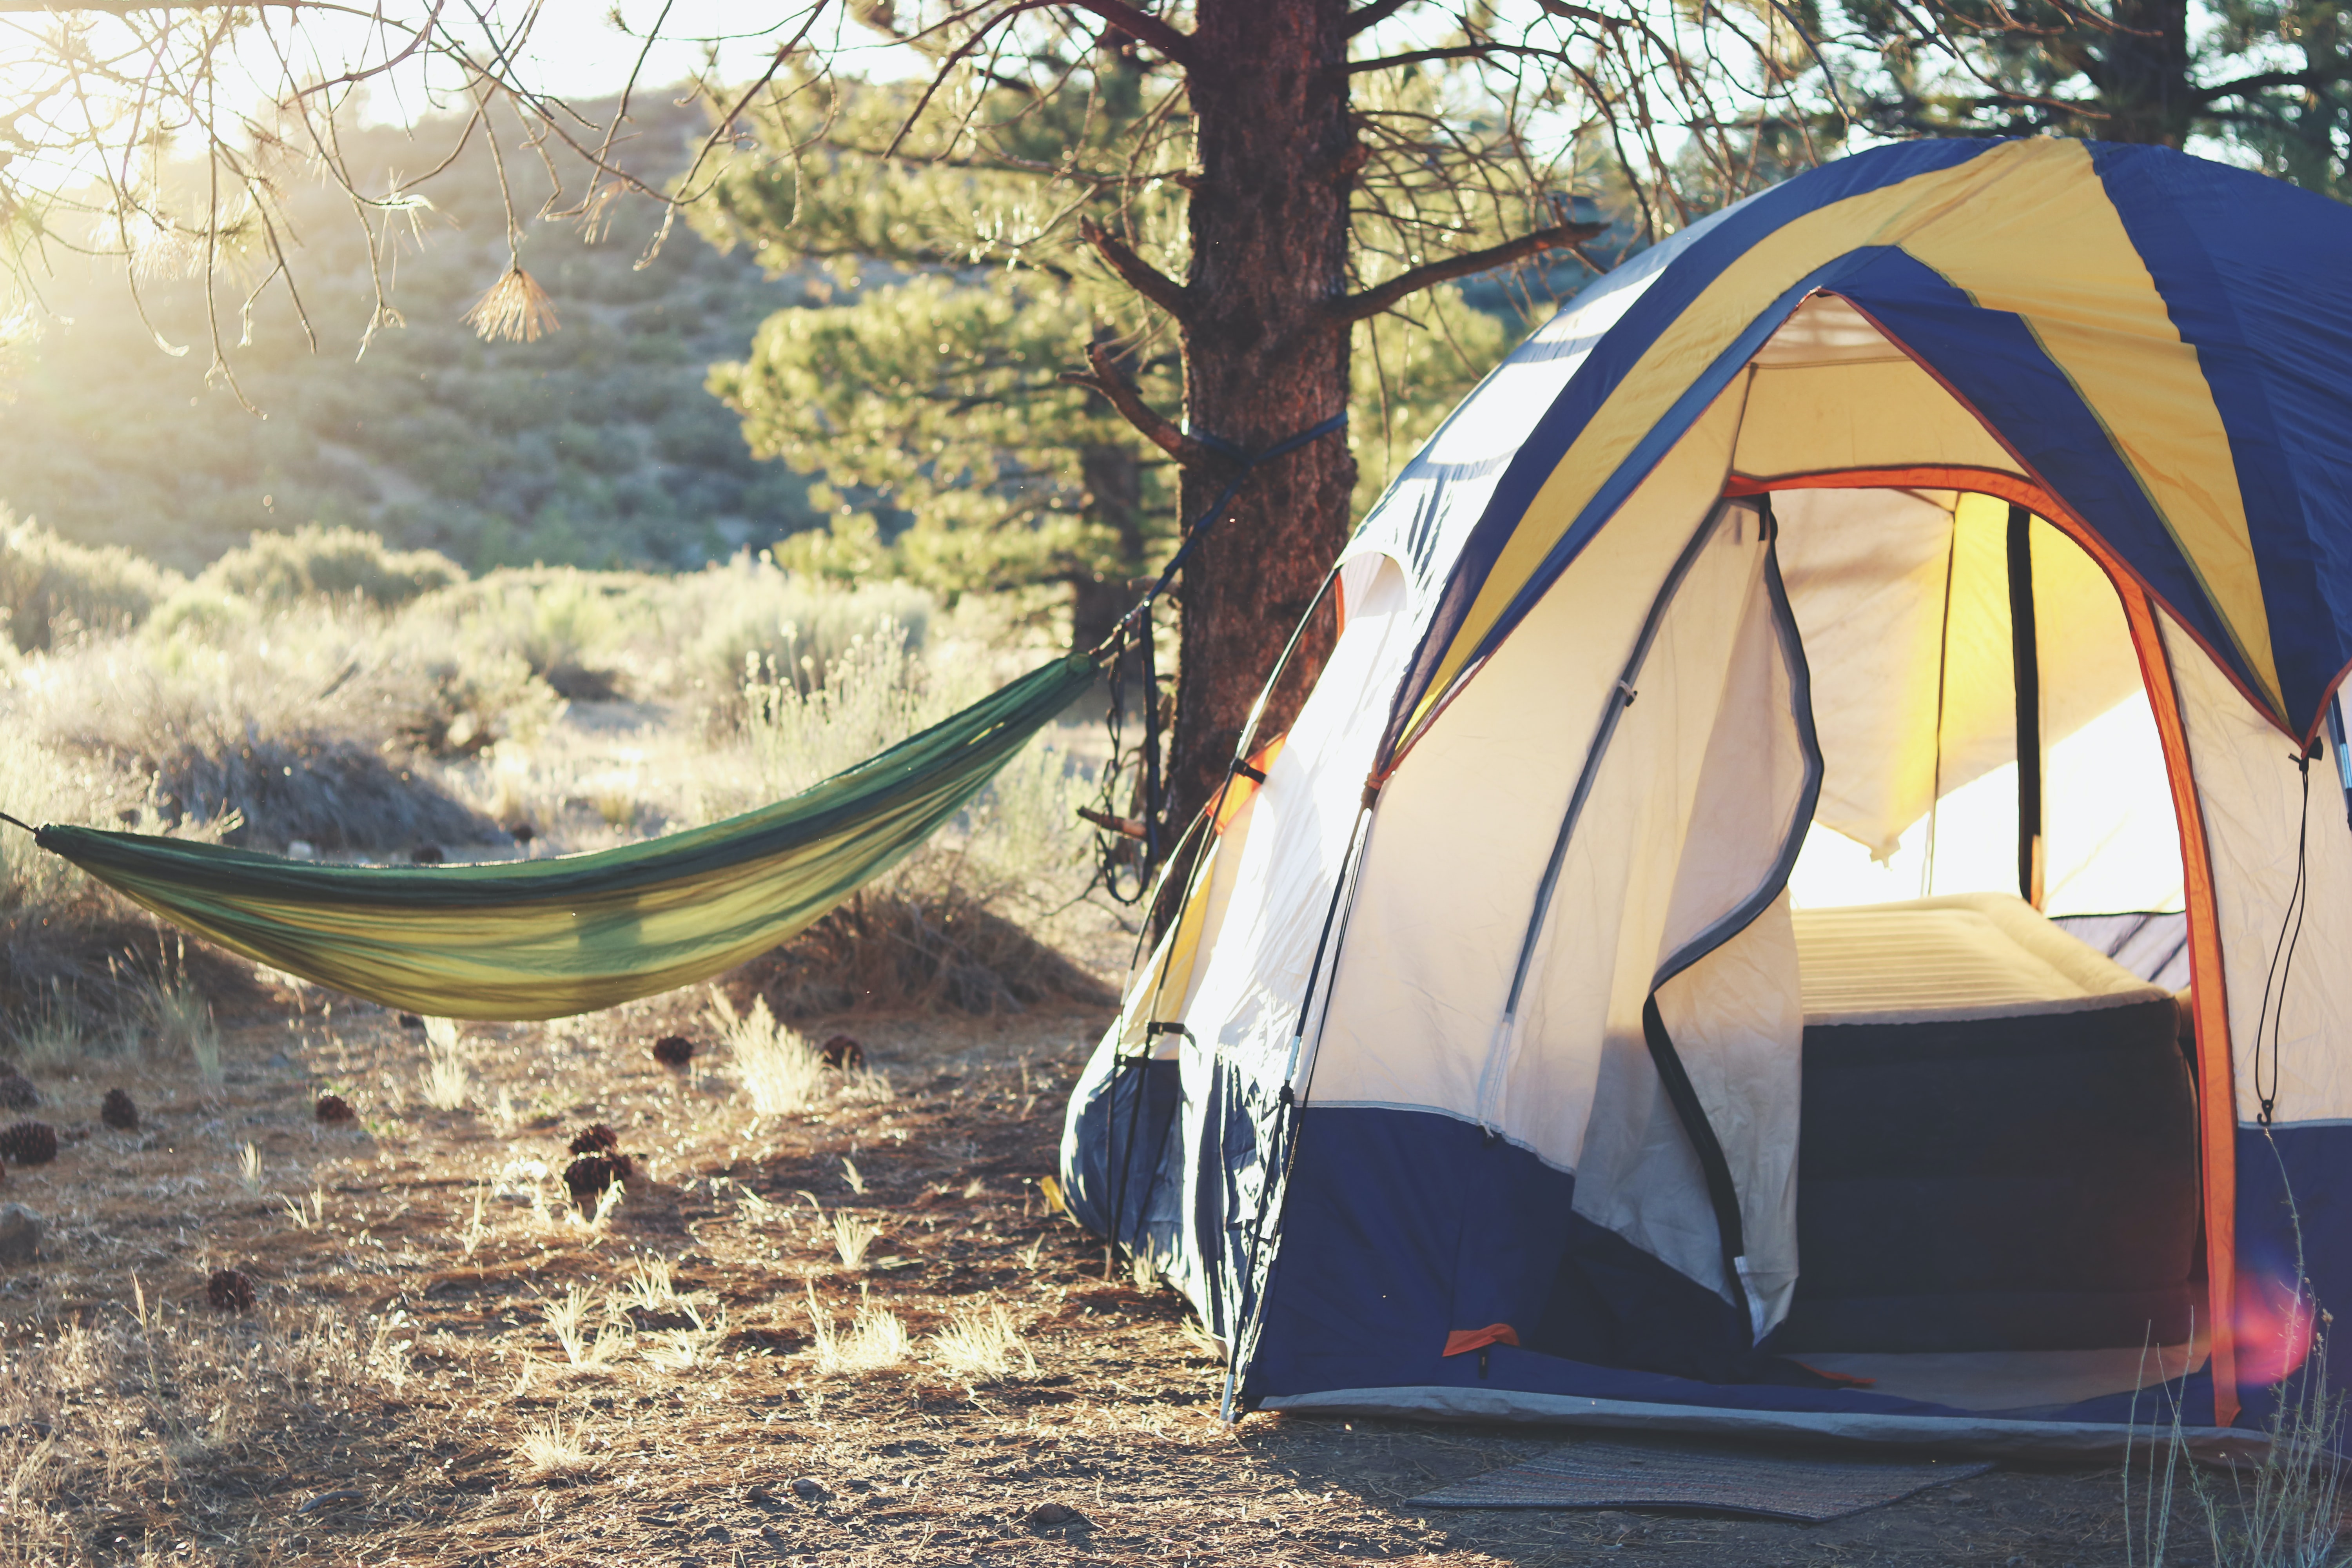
[[1263, 359], [2143, 79]]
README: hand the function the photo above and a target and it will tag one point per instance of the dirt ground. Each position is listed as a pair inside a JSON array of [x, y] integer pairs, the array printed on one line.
[[383, 1400]]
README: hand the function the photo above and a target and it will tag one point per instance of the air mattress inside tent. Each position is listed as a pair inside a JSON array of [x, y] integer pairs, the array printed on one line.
[[1998, 1147]]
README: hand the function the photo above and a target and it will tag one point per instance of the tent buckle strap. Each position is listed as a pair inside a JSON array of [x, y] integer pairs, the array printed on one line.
[[1255, 775]]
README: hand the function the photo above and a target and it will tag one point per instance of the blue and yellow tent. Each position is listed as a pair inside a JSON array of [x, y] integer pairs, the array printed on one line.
[[1669, 972]]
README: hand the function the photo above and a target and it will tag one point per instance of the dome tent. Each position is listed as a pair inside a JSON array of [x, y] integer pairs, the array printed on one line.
[[1491, 1067]]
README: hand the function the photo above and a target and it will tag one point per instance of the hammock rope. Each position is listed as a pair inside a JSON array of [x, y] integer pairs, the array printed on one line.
[[1135, 627]]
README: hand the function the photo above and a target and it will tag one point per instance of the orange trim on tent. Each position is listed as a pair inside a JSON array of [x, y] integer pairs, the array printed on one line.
[[2216, 1074], [1462, 1342], [1241, 789], [2217, 1092]]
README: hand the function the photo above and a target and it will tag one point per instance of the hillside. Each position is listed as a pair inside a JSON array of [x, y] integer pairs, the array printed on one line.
[[596, 445]]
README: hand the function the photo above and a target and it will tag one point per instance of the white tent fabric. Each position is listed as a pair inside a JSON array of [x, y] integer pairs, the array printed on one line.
[[1269, 890], [1903, 596], [1465, 827], [2255, 810]]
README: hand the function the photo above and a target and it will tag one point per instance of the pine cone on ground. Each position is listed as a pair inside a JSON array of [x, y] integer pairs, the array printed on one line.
[[28, 1143], [844, 1054], [17, 1092], [673, 1050], [596, 1140], [591, 1174], [333, 1108], [229, 1291], [119, 1110]]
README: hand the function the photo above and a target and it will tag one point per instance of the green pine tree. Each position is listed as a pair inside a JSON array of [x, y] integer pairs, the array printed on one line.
[[2268, 77], [932, 386]]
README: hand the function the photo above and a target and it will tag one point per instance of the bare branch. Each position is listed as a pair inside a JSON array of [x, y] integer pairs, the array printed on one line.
[[1422, 56], [1373, 14], [1135, 272], [1111, 382], [1372, 301], [1143, 26], [2315, 76]]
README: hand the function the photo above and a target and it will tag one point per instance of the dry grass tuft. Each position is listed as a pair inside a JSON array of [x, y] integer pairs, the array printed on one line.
[[447, 1081], [549, 1452], [876, 1340], [567, 1319], [685, 1350], [648, 1286], [983, 1346], [852, 1237], [782, 1072]]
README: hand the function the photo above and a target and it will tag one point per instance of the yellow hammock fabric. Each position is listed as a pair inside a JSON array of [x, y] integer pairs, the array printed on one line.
[[543, 939]]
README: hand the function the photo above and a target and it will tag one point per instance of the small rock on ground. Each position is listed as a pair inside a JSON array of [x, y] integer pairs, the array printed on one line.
[[20, 1234]]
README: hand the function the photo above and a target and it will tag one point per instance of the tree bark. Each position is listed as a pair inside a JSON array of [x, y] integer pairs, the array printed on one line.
[[1264, 359], [2143, 76], [1114, 480]]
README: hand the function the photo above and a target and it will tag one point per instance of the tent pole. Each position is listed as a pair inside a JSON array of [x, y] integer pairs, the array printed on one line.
[[2026, 658]]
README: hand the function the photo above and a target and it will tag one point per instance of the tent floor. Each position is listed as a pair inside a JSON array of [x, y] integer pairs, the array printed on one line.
[[1993, 1381], [1956, 1434]]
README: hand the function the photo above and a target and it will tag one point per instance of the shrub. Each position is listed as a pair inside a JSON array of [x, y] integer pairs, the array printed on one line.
[[276, 730], [53, 591], [577, 630], [328, 563], [751, 615]]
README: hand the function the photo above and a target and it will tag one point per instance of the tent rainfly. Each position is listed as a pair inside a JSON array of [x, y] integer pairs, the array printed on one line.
[[1650, 982]]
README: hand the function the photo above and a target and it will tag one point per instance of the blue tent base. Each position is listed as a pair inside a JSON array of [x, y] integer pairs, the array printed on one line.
[[1954, 1433]]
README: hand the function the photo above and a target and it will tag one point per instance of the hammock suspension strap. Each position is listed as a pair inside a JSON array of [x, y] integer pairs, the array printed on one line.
[[1113, 850]]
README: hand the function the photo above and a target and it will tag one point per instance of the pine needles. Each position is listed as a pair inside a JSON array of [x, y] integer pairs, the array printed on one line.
[[516, 309]]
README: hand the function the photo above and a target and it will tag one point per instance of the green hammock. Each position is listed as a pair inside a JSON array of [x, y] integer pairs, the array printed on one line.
[[543, 939]]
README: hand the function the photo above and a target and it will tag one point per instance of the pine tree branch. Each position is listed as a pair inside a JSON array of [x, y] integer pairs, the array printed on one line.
[[1143, 26], [1112, 383], [1422, 56], [1372, 301], [1137, 273], [1373, 14], [2317, 76]]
